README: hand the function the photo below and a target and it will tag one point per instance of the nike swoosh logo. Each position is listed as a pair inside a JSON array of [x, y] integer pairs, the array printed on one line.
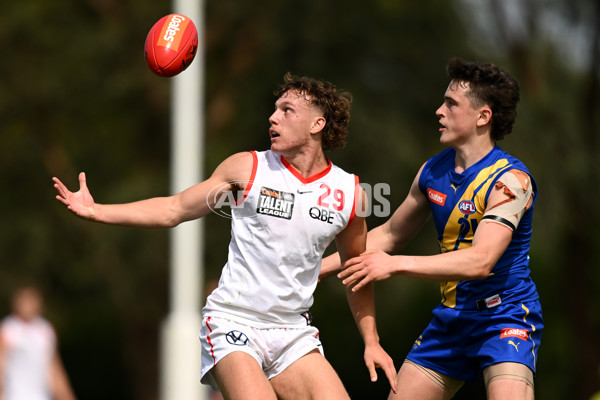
[[304, 191]]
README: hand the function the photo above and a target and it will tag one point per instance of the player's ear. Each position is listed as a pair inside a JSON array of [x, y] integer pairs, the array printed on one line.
[[318, 125], [485, 116]]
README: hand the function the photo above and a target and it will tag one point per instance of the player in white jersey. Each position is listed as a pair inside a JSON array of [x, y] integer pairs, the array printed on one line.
[[30, 366], [305, 214], [257, 340]]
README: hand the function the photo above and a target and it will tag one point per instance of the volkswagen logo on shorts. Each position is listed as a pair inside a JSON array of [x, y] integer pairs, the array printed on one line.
[[237, 338]]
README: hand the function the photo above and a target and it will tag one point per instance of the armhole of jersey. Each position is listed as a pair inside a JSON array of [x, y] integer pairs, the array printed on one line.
[[356, 191], [421, 182], [534, 189], [251, 180]]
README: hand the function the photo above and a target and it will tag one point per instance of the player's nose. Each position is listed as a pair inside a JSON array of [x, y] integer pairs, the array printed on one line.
[[273, 118]]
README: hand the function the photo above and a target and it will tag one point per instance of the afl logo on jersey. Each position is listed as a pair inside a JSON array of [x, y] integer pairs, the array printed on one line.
[[467, 207]]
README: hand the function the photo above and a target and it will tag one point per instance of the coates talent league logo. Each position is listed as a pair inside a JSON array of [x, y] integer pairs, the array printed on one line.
[[275, 203]]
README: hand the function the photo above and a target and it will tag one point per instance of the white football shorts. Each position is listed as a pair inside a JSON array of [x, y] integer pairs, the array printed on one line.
[[274, 349]]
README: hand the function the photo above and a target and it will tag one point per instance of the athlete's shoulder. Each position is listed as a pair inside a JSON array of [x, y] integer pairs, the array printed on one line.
[[437, 164], [238, 167], [446, 156], [243, 157], [514, 162]]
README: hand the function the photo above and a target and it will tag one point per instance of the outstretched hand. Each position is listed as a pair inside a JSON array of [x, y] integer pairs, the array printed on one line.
[[376, 357], [79, 203], [370, 266]]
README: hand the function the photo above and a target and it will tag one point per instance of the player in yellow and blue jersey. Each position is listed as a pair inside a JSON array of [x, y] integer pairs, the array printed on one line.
[[481, 198]]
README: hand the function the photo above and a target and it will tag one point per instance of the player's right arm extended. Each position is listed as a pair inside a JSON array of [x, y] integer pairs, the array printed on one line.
[[160, 212]]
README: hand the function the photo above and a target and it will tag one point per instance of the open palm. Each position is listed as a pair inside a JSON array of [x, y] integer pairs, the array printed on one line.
[[81, 202]]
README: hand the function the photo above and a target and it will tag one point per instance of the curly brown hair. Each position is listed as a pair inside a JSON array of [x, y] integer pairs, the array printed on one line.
[[489, 84], [334, 105]]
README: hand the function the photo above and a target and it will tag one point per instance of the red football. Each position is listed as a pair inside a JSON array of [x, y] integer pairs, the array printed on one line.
[[171, 45]]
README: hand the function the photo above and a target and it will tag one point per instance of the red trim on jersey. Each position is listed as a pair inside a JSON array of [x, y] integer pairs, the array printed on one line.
[[310, 179], [356, 192], [252, 176], [212, 349]]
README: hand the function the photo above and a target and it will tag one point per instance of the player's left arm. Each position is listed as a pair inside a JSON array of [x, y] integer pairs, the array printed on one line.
[[61, 387], [350, 243], [509, 199]]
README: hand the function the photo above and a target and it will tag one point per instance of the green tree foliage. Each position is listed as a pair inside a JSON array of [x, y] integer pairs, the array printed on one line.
[[76, 95]]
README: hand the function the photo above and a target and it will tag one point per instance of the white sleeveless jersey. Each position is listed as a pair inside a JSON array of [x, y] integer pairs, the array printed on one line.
[[30, 347], [279, 232]]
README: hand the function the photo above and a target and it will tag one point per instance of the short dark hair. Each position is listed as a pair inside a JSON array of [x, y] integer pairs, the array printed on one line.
[[491, 85], [334, 105]]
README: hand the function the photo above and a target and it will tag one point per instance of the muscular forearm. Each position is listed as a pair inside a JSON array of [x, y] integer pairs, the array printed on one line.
[[475, 262], [158, 212], [330, 266], [382, 238], [458, 265], [362, 305]]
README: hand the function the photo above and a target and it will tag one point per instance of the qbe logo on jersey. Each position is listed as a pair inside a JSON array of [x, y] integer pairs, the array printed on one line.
[[275, 203]]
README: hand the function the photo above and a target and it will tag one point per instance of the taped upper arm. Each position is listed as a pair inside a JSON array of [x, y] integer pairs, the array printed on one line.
[[511, 196]]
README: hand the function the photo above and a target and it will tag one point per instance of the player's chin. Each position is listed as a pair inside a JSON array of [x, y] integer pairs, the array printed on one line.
[[285, 148], [445, 140], [277, 147]]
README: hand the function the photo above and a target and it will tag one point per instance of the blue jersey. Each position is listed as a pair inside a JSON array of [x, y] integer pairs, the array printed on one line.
[[458, 201], [485, 321]]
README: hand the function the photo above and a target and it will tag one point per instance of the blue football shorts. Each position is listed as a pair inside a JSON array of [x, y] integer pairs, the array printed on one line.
[[461, 343]]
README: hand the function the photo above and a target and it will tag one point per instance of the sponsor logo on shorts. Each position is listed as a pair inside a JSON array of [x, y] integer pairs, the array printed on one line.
[[516, 345], [436, 197], [275, 203], [237, 338], [514, 332], [467, 207]]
